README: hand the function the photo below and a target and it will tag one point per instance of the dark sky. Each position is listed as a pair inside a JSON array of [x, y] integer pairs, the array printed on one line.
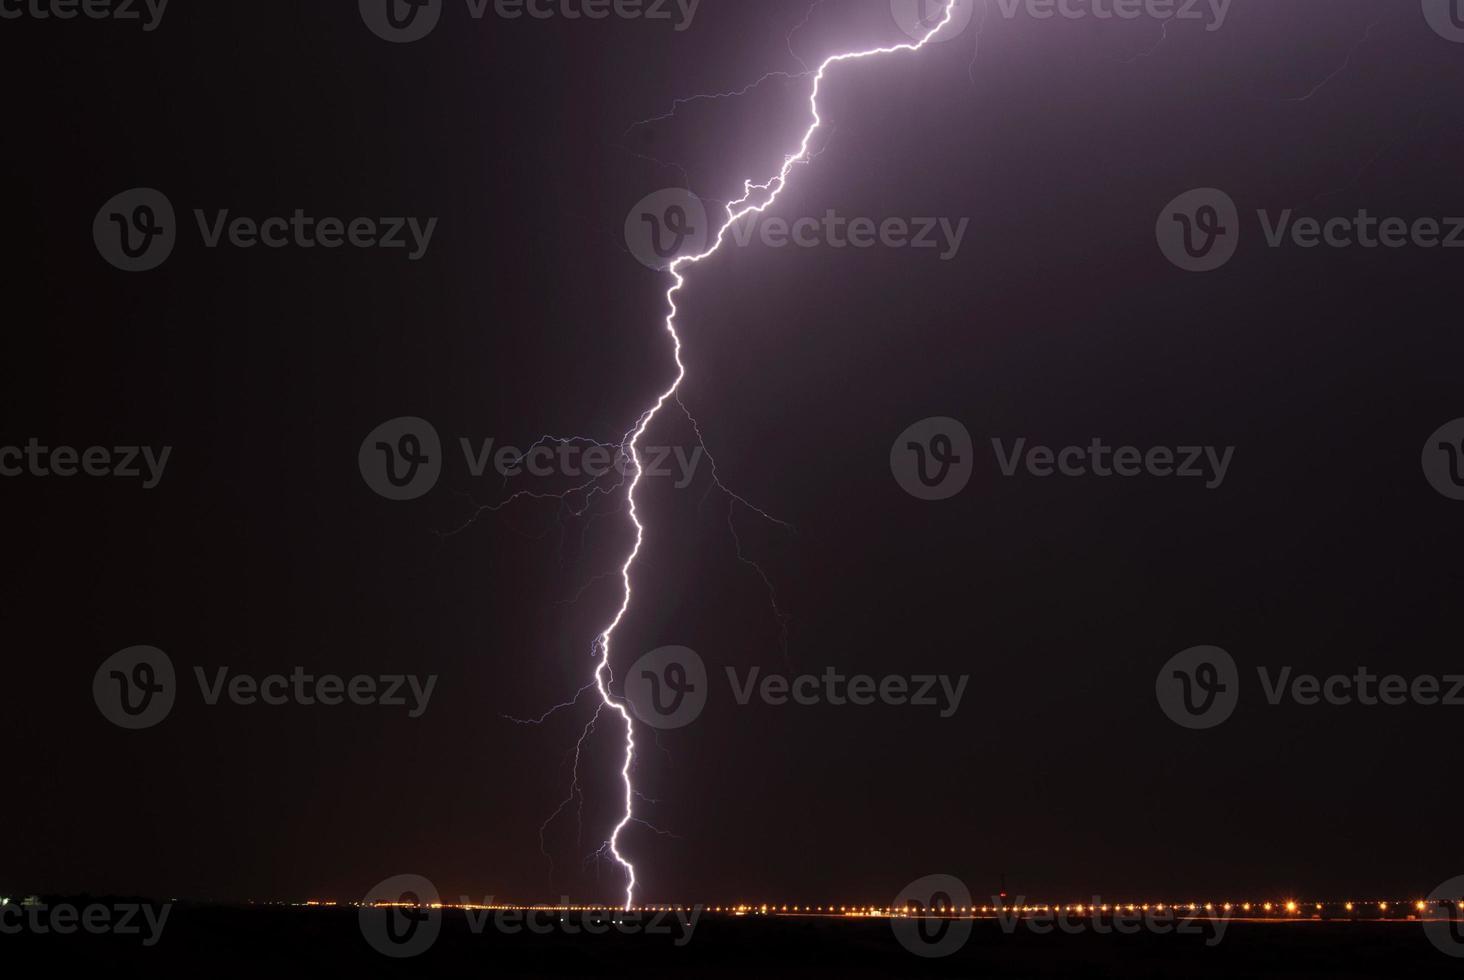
[[1059, 321]]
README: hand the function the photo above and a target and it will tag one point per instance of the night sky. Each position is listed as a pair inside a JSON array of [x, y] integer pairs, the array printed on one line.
[[1059, 321]]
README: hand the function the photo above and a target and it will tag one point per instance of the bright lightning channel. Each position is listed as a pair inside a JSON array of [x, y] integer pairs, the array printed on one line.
[[736, 211]]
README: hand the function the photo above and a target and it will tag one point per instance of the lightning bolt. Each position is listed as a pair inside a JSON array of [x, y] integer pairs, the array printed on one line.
[[736, 211]]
